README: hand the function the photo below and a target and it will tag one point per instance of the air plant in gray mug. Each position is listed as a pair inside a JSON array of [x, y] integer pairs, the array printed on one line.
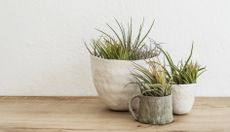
[[155, 100]]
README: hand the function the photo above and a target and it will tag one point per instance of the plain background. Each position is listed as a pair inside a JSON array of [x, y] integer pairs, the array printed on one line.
[[42, 51]]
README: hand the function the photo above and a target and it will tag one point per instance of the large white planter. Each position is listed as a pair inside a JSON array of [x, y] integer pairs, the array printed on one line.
[[183, 98], [112, 81]]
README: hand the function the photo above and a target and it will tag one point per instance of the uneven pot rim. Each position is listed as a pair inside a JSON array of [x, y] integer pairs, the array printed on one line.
[[155, 96], [189, 84], [116, 60]]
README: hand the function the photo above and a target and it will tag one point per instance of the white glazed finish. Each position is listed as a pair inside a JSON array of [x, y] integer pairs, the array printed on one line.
[[112, 81], [183, 98]]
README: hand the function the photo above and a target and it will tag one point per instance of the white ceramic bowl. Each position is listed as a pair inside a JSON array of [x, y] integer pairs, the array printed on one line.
[[112, 81], [183, 98]]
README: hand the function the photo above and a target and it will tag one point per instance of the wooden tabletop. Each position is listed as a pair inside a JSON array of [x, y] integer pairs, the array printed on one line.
[[88, 114]]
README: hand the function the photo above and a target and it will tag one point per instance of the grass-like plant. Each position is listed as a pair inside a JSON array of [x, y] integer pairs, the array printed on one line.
[[153, 81], [186, 72], [122, 45]]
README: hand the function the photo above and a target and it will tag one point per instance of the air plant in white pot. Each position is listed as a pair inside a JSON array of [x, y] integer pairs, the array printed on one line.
[[184, 77], [112, 57]]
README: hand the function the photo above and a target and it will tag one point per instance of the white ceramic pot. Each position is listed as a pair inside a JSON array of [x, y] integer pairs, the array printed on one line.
[[112, 81], [183, 98]]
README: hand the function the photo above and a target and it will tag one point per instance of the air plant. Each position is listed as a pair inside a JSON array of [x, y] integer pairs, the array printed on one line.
[[185, 72], [122, 45], [153, 81]]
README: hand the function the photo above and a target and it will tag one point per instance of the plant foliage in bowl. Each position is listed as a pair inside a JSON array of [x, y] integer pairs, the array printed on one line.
[[121, 44], [186, 72], [112, 58], [153, 81]]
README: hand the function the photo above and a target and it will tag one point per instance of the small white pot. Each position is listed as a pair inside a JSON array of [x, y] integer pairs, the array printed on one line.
[[112, 81], [183, 98]]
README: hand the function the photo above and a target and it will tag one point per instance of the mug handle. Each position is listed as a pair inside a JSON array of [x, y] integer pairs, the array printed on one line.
[[134, 115]]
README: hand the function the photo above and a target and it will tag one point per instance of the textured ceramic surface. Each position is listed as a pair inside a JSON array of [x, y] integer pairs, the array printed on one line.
[[153, 110], [112, 81], [183, 98]]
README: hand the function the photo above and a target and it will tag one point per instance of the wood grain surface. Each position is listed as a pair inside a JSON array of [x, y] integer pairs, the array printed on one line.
[[88, 114]]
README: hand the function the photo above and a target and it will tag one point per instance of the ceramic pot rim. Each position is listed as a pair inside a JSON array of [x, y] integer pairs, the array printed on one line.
[[189, 84], [155, 96], [116, 60]]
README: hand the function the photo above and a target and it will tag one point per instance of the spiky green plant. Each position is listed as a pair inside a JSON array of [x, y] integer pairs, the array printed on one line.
[[153, 81], [185, 72], [122, 45]]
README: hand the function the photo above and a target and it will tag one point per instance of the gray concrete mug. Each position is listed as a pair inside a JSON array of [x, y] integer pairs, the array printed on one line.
[[152, 110]]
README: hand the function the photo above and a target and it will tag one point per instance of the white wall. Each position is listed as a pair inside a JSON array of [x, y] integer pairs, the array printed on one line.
[[41, 49]]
